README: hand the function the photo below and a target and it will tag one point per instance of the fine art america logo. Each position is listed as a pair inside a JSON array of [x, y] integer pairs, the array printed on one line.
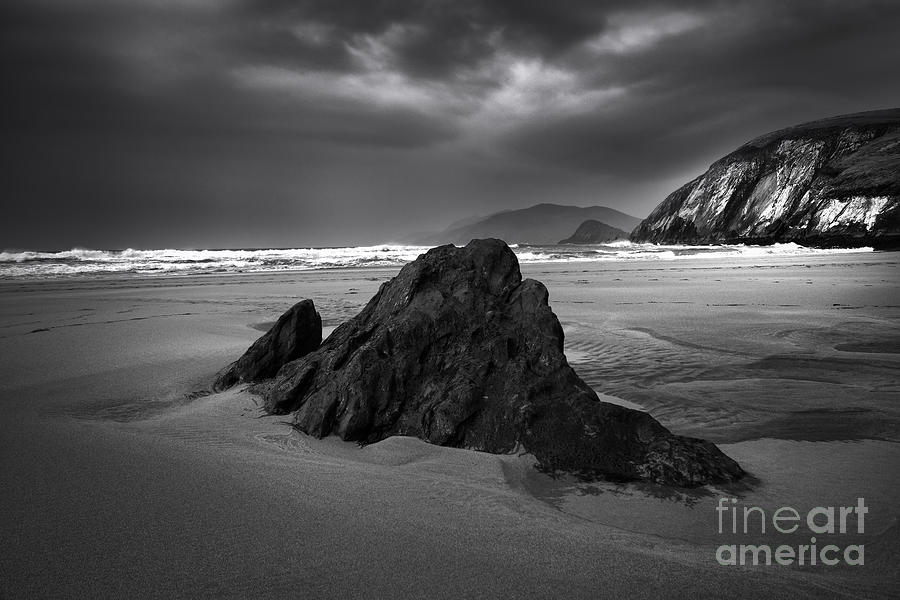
[[821, 520]]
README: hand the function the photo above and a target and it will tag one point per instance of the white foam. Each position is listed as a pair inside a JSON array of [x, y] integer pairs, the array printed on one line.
[[80, 261]]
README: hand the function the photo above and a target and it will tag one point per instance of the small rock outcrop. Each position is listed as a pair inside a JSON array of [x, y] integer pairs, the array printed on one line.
[[459, 351], [296, 333], [834, 182], [595, 232]]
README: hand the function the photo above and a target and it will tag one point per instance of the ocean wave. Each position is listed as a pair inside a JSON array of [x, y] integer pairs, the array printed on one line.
[[81, 261]]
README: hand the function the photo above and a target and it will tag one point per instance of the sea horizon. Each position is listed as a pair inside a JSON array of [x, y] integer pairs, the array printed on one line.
[[170, 261]]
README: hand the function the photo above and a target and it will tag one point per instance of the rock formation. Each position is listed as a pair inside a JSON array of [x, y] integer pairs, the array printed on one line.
[[595, 232], [297, 333], [459, 351], [834, 182], [538, 224]]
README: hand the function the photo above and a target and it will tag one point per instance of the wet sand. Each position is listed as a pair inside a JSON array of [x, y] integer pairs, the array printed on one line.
[[116, 480]]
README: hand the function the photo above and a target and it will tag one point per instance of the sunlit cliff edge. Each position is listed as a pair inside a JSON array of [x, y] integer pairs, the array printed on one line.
[[828, 183]]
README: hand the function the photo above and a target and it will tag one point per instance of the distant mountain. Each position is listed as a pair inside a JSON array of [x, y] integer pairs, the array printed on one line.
[[539, 224], [834, 182], [595, 232]]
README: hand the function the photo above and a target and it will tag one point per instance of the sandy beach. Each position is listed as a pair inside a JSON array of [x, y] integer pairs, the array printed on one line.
[[119, 479]]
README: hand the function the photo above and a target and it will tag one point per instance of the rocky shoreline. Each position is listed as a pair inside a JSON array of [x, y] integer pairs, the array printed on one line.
[[830, 183], [459, 350]]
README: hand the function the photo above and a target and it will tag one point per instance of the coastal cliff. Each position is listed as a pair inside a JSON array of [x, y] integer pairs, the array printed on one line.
[[538, 224], [595, 232], [834, 182]]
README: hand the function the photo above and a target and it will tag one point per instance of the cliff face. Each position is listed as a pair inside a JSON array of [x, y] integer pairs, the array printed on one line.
[[595, 232], [834, 182]]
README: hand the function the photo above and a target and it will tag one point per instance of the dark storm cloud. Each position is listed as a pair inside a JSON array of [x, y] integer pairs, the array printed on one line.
[[274, 122], [452, 33], [735, 74]]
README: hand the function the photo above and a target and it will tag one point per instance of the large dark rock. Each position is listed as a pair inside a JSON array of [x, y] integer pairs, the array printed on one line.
[[595, 232], [458, 350], [297, 333], [834, 182]]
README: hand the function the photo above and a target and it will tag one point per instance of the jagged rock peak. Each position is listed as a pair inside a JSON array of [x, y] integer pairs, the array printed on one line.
[[458, 350]]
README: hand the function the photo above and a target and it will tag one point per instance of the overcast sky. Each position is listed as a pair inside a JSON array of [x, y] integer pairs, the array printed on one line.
[[227, 123]]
